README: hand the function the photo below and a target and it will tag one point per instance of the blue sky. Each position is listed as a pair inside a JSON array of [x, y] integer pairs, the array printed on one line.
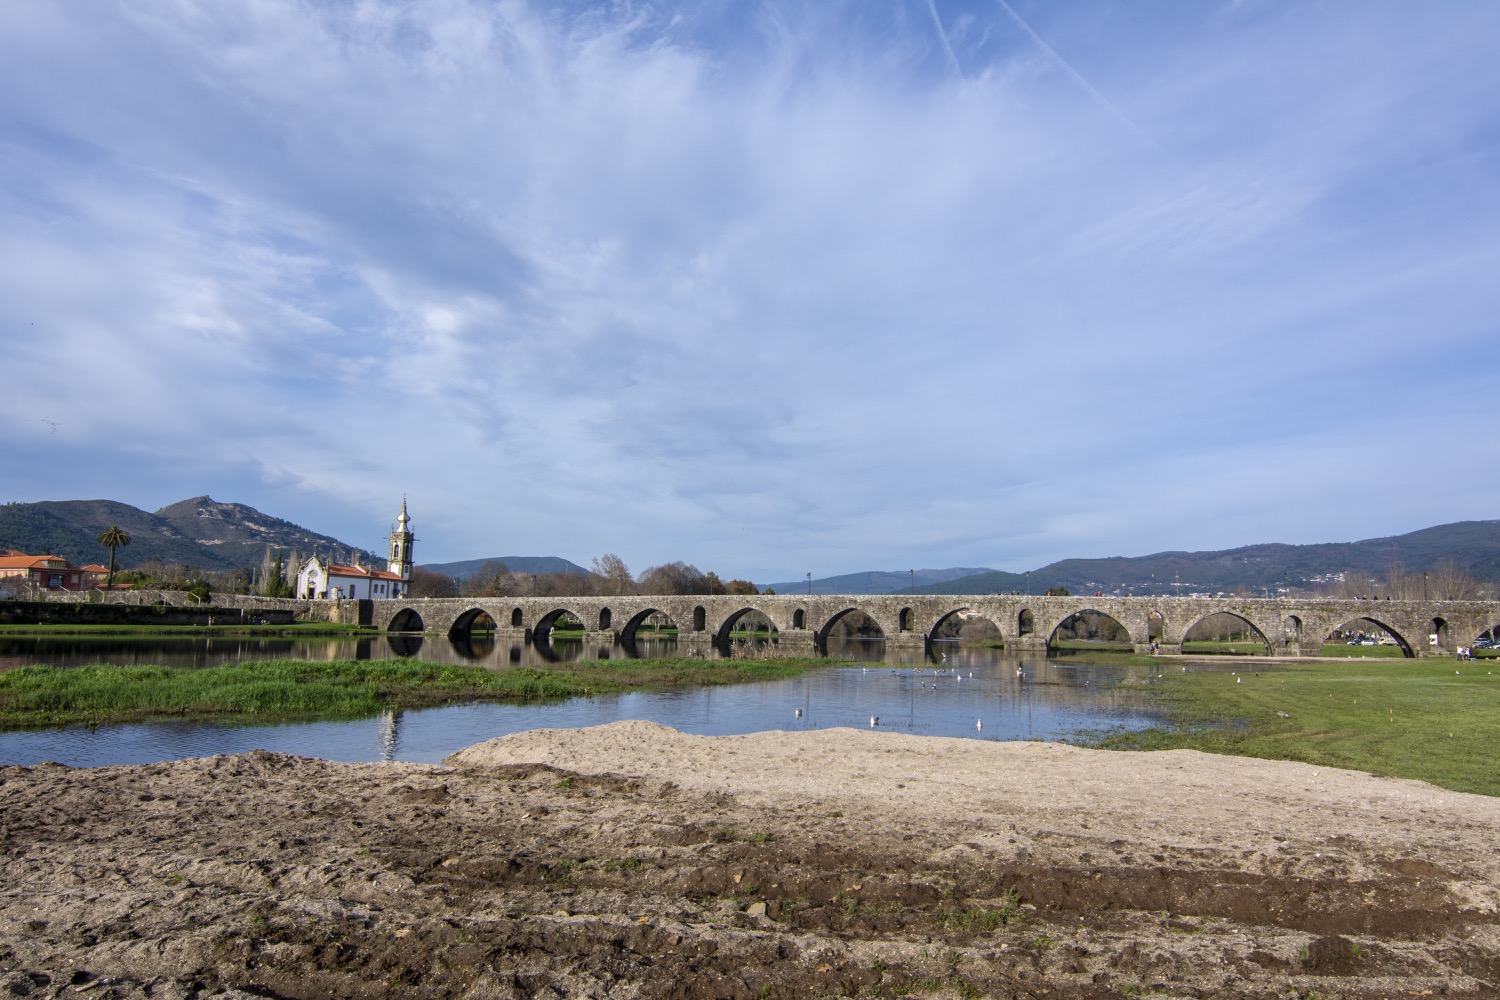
[[766, 287]]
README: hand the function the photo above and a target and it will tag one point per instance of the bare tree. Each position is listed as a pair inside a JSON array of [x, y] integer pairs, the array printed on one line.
[[1446, 582], [674, 578], [612, 576], [430, 583], [494, 579]]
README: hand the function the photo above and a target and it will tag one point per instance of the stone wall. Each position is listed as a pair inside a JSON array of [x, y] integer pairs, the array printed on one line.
[[1289, 626]]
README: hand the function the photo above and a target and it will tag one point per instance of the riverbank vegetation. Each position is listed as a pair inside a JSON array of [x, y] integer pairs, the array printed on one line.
[[300, 690], [300, 630], [1437, 720]]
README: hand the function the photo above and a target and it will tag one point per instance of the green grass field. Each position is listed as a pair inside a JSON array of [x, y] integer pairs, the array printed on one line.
[[286, 690], [1358, 652], [1216, 648], [1437, 720]]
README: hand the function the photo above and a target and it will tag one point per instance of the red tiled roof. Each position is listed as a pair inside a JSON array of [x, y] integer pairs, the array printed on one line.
[[32, 562], [362, 572]]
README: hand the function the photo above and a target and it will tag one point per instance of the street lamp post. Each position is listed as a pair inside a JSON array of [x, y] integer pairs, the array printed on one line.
[[809, 585], [913, 580]]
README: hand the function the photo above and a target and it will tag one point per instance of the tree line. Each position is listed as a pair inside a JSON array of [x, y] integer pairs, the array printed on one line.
[[1445, 581], [608, 576]]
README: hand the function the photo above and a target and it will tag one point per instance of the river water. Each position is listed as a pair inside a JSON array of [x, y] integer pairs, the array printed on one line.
[[949, 690]]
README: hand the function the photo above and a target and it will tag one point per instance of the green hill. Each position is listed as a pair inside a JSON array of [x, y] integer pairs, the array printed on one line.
[[202, 533]]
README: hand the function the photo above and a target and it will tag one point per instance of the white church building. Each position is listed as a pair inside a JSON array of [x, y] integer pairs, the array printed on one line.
[[320, 580]]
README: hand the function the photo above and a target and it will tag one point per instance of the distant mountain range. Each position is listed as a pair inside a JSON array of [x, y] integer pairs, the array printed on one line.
[[206, 534], [516, 564], [202, 533], [1474, 546], [882, 582]]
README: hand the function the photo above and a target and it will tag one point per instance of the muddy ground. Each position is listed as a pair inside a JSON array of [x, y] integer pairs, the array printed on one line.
[[632, 861]]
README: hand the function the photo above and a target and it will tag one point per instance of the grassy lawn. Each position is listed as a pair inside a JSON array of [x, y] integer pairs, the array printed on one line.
[[1371, 652], [1216, 648], [1437, 720], [286, 690]]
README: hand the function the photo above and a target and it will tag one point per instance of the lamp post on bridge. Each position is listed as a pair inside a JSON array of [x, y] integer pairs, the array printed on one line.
[[809, 585]]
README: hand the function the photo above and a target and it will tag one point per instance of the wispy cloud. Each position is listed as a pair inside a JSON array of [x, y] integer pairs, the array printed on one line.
[[766, 287]]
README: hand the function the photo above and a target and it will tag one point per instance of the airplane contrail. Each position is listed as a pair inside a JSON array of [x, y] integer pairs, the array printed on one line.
[[937, 22], [1078, 78]]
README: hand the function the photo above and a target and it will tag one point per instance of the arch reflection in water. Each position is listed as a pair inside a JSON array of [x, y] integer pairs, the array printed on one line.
[[404, 646]]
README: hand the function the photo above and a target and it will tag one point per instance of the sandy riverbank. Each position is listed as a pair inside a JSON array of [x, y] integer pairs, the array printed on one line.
[[633, 861]]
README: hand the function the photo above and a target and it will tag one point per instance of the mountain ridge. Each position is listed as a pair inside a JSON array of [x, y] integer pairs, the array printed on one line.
[[204, 533], [200, 532]]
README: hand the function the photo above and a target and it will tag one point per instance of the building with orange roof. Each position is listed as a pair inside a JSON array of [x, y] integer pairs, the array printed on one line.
[[41, 572]]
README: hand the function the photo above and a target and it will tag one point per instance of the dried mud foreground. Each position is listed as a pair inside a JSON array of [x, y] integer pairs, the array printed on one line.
[[633, 861]]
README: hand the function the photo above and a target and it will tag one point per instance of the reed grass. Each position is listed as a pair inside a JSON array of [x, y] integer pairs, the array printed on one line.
[[300, 690]]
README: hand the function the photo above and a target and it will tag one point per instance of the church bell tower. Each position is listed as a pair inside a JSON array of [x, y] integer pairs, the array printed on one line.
[[401, 539]]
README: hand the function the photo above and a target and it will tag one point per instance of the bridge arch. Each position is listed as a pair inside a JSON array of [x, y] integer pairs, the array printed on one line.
[[472, 620], [1025, 622], [1439, 628], [549, 621], [640, 618], [734, 618], [1338, 632], [884, 627], [406, 620], [1102, 624], [946, 622], [1257, 629], [1483, 629]]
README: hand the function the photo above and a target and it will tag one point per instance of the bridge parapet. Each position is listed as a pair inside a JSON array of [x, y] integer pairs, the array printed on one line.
[[1289, 626]]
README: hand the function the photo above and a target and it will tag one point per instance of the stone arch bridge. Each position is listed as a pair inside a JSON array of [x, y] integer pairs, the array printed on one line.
[[1292, 626]]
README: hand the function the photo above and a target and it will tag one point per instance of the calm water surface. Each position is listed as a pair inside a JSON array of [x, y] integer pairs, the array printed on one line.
[[950, 691]]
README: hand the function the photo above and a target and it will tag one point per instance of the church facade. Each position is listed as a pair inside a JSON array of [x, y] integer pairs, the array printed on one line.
[[324, 580]]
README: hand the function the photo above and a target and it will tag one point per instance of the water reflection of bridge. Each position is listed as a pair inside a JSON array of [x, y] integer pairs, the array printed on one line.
[[1289, 626]]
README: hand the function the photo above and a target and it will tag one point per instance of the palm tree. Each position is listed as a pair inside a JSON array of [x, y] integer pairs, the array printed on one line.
[[113, 537]]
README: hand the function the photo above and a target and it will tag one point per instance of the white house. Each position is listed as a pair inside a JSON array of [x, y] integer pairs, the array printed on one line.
[[326, 581]]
